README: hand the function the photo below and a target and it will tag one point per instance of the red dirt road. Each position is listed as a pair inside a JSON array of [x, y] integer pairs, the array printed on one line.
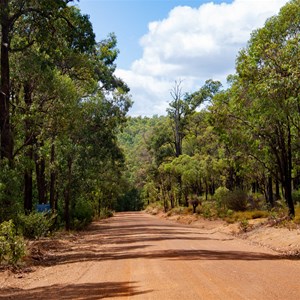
[[137, 256]]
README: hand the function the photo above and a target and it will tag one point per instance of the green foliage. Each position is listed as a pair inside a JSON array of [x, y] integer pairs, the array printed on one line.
[[82, 215], [207, 209], [69, 135], [296, 196], [130, 201], [236, 200], [12, 246], [106, 213], [70, 108], [233, 200], [265, 95], [10, 189], [244, 225], [246, 215], [220, 195], [230, 200], [36, 224]]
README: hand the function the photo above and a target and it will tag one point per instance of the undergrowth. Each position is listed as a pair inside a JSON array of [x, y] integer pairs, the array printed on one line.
[[12, 246], [212, 210]]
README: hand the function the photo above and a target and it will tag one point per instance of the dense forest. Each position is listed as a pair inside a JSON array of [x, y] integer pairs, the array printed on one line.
[[61, 107], [233, 147], [68, 145]]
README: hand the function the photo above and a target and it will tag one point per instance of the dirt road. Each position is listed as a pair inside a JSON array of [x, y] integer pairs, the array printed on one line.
[[137, 256]]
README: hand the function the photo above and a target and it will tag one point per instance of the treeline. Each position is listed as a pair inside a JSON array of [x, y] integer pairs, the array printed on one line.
[[245, 141], [61, 107]]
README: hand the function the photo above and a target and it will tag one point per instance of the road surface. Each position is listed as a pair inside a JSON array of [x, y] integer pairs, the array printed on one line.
[[138, 256]]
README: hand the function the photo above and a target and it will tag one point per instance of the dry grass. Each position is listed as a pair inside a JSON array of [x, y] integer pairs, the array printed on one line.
[[246, 215]]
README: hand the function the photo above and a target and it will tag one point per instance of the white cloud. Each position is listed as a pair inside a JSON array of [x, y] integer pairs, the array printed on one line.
[[192, 44]]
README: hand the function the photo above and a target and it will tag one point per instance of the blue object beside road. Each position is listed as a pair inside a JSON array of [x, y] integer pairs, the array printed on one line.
[[43, 208]]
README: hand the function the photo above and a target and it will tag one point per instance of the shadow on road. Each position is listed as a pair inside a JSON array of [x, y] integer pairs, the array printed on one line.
[[138, 240], [89, 291], [122, 253]]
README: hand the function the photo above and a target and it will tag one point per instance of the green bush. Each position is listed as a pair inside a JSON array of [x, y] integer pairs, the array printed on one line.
[[10, 191], [220, 196], [232, 200], [36, 224], [12, 246], [207, 210], [220, 193], [244, 225], [236, 200], [296, 196], [106, 213], [82, 215]]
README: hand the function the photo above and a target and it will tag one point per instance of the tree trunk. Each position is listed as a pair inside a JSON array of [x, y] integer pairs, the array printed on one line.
[[29, 151], [277, 189], [40, 166], [52, 177], [179, 180], [270, 192], [288, 181], [211, 188], [5, 128], [186, 197], [28, 188], [171, 196], [67, 194], [285, 167]]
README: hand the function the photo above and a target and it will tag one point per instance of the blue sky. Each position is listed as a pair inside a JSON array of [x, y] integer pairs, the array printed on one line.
[[129, 20], [161, 41]]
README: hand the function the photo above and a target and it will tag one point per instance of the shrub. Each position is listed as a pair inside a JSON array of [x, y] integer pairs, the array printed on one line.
[[220, 196], [232, 217], [244, 225], [12, 246], [106, 213], [36, 224], [207, 210], [236, 200], [232, 200], [82, 214], [296, 196]]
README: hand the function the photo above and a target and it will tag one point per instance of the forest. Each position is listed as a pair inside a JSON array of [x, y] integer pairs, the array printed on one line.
[[61, 107], [68, 145], [228, 148]]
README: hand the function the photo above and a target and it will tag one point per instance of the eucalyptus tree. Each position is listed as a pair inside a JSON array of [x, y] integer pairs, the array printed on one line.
[[15, 15], [178, 111], [32, 32], [52, 119], [267, 92]]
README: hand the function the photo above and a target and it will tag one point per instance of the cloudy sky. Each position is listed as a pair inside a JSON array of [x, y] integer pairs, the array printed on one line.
[[161, 41]]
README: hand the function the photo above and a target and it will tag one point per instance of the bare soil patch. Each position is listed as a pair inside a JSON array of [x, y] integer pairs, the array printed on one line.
[[138, 256], [284, 240]]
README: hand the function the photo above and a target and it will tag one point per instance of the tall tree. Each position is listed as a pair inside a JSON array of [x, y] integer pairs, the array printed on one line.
[[268, 86], [178, 111], [17, 13]]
